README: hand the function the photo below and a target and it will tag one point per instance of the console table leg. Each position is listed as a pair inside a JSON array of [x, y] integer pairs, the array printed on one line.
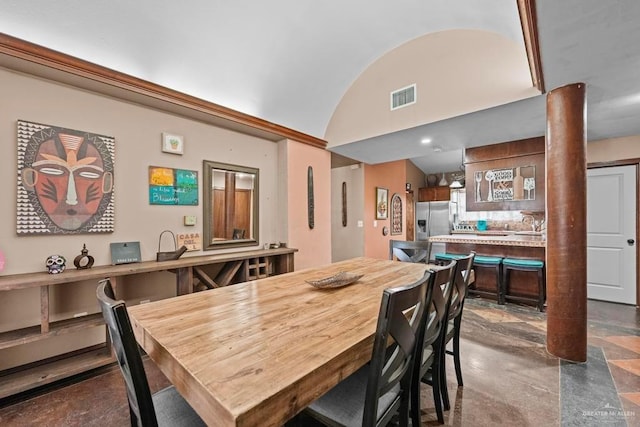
[[44, 309], [184, 281]]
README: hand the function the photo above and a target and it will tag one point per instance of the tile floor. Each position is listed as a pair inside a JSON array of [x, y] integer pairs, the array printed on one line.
[[510, 379]]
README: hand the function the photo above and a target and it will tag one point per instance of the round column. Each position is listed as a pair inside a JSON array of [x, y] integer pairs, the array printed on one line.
[[566, 255]]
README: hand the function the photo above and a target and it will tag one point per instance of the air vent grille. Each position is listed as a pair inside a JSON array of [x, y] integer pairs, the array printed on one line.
[[403, 97]]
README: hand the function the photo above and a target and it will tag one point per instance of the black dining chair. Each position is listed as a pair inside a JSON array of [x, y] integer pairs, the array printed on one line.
[[410, 251], [429, 350], [459, 291], [372, 395], [166, 407]]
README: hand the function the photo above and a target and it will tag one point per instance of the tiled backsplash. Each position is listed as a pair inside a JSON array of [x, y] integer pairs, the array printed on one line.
[[496, 220]]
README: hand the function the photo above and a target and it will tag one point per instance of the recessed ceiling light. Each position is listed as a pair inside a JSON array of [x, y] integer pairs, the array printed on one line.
[[426, 140]]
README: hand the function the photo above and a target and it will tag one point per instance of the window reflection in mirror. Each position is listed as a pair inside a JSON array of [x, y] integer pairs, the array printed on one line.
[[230, 205]]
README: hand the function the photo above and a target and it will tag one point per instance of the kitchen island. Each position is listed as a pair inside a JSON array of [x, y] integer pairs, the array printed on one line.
[[525, 245]]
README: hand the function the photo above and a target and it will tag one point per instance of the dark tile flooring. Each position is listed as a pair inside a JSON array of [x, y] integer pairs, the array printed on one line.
[[509, 378]]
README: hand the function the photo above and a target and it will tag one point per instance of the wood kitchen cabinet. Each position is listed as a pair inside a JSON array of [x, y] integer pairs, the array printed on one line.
[[434, 194]]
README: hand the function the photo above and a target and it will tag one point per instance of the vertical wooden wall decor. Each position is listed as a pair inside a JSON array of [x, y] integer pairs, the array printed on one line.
[[344, 204], [310, 196], [566, 261], [396, 214], [410, 215]]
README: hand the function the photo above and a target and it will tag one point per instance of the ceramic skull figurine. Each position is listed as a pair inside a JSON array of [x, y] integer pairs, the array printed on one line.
[[56, 264]]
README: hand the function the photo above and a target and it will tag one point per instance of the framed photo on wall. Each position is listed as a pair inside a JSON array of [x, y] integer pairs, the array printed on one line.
[[173, 144], [382, 203]]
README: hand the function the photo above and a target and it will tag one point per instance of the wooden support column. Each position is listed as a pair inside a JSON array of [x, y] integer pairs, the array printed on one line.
[[566, 260]]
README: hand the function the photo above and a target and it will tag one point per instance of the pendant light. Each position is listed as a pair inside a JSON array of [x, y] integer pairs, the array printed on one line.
[[456, 181]]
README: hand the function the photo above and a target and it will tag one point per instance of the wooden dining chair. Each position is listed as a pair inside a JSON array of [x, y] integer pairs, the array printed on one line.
[[166, 407], [410, 251], [429, 349], [459, 291], [379, 390]]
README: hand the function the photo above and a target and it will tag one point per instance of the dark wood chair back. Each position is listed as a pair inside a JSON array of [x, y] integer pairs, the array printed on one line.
[[410, 251], [127, 354], [461, 275], [399, 321], [429, 347], [441, 287]]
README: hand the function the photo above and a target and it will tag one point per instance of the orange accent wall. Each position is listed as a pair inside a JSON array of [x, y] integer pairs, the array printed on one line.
[[390, 175], [314, 245]]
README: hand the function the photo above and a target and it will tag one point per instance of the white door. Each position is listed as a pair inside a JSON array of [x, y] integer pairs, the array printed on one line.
[[611, 234]]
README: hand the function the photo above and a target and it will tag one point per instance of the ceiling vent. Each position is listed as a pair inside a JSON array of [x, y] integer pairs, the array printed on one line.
[[403, 97]]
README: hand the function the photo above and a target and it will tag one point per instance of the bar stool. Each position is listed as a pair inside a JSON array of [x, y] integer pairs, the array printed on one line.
[[481, 261], [509, 264], [445, 258]]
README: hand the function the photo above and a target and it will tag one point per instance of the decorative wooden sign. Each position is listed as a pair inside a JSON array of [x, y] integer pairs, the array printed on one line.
[[192, 241], [310, 196], [396, 214], [344, 204]]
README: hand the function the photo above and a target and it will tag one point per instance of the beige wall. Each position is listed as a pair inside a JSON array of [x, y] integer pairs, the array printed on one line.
[[314, 245], [137, 131], [392, 176], [607, 150], [347, 242], [456, 72], [416, 177]]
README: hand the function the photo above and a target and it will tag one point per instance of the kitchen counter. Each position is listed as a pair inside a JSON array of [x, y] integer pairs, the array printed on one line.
[[533, 240]]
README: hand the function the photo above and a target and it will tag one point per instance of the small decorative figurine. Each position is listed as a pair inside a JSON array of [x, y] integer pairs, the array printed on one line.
[[84, 260], [56, 264]]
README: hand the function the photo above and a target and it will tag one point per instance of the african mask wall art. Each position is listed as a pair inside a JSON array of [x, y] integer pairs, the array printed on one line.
[[65, 181]]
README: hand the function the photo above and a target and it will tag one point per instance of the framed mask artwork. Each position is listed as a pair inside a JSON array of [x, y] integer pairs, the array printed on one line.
[[65, 181]]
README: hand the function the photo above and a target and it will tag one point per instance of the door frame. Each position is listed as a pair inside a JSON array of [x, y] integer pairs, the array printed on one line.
[[628, 162]]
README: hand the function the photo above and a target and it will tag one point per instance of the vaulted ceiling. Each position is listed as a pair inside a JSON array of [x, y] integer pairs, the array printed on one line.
[[292, 62]]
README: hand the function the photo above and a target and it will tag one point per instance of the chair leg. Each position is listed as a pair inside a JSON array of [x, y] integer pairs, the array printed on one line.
[[444, 390], [415, 401], [404, 409], [505, 283], [436, 373], [541, 289], [500, 282], [456, 352]]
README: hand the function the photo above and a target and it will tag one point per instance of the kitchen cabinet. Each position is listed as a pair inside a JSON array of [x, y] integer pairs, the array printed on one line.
[[232, 268], [434, 194], [506, 176]]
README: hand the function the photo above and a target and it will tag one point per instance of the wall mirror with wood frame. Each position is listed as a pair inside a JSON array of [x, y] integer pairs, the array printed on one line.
[[230, 207]]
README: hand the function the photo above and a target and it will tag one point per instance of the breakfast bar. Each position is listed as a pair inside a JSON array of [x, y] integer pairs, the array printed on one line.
[[520, 245]]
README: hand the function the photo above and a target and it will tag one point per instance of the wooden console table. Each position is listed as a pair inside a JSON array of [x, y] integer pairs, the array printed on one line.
[[235, 267]]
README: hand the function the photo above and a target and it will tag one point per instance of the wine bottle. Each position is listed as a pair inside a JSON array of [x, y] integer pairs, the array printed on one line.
[[518, 186]]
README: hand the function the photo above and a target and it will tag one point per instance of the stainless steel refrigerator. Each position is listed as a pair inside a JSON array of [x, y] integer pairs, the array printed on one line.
[[433, 219]]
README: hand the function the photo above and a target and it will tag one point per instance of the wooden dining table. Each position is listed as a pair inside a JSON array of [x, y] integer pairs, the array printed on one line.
[[259, 352]]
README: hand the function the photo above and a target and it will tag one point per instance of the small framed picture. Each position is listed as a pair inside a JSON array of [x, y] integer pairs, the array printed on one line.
[[382, 203], [173, 144]]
